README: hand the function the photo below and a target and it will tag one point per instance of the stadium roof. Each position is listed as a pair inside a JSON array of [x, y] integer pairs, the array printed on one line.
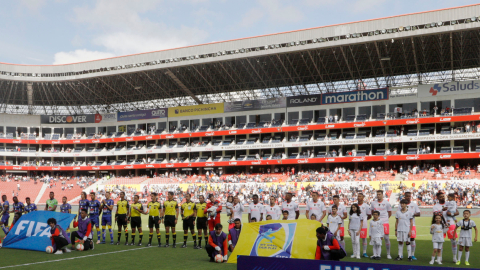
[[400, 52]]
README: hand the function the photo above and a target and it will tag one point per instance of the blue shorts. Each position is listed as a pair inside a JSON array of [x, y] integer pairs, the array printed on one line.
[[4, 219], [95, 221], [106, 220]]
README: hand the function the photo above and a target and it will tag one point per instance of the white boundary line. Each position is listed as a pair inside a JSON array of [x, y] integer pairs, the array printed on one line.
[[73, 258]]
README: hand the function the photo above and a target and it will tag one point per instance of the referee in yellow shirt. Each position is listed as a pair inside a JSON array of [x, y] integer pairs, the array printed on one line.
[[189, 212], [121, 217], [170, 210], [154, 219], [201, 221], [136, 219]]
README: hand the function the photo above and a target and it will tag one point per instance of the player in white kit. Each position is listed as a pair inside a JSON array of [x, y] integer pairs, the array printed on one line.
[[342, 212], [291, 207], [255, 209], [415, 210], [272, 210], [383, 206], [315, 207], [403, 229], [237, 208], [439, 207], [366, 214]]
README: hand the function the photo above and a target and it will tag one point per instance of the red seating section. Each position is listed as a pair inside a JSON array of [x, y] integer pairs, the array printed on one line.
[[27, 189]]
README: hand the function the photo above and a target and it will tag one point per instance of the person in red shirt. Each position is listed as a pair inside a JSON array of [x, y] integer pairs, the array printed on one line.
[[216, 219], [328, 247], [59, 237]]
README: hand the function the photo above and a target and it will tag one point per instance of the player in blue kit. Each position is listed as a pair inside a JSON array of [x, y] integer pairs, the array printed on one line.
[[18, 207], [107, 206], [29, 207], [83, 203], [66, 208], [5, 214], [95, 210]]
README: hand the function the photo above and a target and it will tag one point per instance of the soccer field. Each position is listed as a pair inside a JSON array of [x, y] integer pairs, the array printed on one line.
[[134, 257]]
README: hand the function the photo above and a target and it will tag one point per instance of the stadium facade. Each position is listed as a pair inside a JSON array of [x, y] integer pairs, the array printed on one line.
[[382, 93]]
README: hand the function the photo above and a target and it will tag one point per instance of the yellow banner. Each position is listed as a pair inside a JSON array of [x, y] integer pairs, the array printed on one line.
[[278, 239], [195, 110]]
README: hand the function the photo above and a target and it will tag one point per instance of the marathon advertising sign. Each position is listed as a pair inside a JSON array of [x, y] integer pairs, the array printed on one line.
[[257, 104], [142, 115], [68, 119], [304, 100], [448, 88], [355, 96]]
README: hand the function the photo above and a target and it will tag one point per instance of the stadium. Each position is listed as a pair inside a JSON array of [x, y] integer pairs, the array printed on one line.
[[388, 104]]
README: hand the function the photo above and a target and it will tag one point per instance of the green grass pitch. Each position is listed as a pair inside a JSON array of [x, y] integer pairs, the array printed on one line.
[[134, 257]]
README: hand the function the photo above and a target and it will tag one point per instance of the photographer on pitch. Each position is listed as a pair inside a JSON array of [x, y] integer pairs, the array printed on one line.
[[328, 247]]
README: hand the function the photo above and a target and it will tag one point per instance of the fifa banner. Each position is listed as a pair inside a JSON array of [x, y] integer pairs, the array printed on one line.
[[32, 232], [277, 239], [448, 88], [249, 263]]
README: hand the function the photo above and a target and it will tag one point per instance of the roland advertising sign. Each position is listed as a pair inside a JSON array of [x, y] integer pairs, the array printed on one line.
[[304, 100], [355, 96]]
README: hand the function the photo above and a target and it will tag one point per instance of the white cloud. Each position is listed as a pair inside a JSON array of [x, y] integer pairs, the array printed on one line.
[[121, 28], [32, 5], [79, 56], [252, 17], [275, 12]]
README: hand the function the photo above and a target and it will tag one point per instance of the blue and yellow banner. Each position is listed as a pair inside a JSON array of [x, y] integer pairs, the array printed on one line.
[[277, 239]]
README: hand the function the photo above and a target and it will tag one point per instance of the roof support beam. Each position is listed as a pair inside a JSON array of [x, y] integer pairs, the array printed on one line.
[[182, 86]]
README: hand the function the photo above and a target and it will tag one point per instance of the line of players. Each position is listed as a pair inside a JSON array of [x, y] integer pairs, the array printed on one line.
[[206, 216]]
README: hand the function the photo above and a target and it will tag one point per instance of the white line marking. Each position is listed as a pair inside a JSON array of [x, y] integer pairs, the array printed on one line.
[[86, 256], [73, 258]]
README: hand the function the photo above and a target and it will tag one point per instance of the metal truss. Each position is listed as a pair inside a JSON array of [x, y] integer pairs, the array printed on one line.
[[401, 64]]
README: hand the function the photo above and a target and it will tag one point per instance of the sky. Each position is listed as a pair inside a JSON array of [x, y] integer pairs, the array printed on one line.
[[46, 32]]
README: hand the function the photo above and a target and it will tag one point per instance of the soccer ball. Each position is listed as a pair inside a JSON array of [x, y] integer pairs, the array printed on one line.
[[218, 258], [49, 250], [79, 247]]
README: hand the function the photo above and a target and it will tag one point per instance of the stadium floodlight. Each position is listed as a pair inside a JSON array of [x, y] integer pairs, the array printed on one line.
[[432, 24], [336, 38], [272, 46], [371, 33], [303, 42], [473, 19], [408, 28], [242, 50], [415, 27], [277, 46], [266, 47], [439, 23], [347, 36], [197, 56], [401, 28], [427, 25], [314, 40], [377, 32], [292, 43], [385, 58], [297, 43], [219, 53], [389, 31], [468, 20], [384, 31], [453, 22]]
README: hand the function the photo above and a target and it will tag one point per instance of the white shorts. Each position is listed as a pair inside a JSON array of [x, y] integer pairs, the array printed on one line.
[[465, 241], [376, 241], [437, 245], [403, 237]]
